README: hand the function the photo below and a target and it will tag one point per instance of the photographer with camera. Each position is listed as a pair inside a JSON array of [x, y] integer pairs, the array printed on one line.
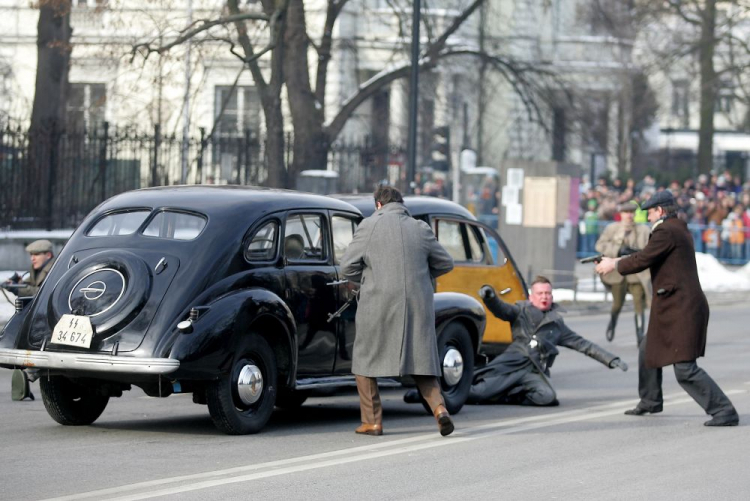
[[42, 259], [621, 239]]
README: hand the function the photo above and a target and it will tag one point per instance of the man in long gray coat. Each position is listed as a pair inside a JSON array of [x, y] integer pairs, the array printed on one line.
[[395, 258]]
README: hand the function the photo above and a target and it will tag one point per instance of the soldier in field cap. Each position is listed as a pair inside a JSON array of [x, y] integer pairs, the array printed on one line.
[[620, 239], [42, 259], [679, 315]]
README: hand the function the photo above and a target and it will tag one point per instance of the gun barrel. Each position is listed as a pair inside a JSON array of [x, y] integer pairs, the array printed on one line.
[[591, 259]]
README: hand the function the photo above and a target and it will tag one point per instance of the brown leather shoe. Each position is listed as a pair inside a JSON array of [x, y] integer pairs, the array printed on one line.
[[444, 421], [370, 429]]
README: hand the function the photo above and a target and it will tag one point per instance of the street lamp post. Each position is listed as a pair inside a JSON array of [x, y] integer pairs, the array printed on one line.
[[411, 163]]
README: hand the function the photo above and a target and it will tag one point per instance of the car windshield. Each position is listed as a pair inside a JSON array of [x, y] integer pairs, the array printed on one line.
[[119, 223]]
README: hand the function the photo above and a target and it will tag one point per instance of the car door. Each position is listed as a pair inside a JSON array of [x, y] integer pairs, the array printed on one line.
[[343, 226], [308, 272], [480, 257]]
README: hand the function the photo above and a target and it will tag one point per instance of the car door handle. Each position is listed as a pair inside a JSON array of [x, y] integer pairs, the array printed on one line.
[[338, 282], [505, 291]]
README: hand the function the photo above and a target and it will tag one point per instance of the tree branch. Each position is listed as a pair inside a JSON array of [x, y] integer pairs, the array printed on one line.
[[193, 29]]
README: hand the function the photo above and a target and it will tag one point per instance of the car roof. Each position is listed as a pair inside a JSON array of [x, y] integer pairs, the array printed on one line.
[[417, 205], [220, 200]]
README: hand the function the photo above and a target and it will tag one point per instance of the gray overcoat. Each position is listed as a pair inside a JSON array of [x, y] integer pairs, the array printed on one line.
[[395, 257]]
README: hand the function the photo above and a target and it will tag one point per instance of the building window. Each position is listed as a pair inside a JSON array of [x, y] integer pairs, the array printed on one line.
[[724, 98], [236, 112], [680, 98], [86, 105]]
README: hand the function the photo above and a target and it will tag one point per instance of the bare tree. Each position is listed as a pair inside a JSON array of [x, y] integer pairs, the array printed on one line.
[[286, 48], [707, 35], [53, 50]]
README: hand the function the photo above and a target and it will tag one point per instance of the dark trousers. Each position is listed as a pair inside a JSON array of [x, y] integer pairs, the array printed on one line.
[[370, 407], [694, 380], [522, 386]]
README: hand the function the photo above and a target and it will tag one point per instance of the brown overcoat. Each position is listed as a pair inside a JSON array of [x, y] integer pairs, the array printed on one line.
[[679, 310]]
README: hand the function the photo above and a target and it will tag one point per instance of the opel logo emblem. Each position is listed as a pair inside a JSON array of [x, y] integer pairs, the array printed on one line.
[[105, 288], [94, 290]]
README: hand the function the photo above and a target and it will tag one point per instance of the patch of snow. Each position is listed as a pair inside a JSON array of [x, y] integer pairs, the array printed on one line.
[[36, 234], [715, 277]]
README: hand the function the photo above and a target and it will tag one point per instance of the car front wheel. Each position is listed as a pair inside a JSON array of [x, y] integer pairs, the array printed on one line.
[[241, 402], [71, 404], [457, 365]]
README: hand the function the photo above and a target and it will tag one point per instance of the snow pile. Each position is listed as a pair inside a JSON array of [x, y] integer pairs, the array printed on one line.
[[715, 277]]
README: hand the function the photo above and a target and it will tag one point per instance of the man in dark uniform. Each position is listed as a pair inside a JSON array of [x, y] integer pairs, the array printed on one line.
[[679, 319], [520, 375]]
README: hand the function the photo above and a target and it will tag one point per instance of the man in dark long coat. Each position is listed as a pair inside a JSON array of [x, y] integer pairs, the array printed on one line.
[[679, 315], [520, 375], [395, 258]]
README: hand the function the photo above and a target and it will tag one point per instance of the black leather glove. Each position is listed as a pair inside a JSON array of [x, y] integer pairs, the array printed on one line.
[[618, 363], [486, 292]]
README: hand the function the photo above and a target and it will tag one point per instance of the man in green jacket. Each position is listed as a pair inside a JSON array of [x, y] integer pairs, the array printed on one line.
[[42, 259]]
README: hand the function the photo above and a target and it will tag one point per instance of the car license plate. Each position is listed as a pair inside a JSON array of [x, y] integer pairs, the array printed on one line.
[[73, 330]]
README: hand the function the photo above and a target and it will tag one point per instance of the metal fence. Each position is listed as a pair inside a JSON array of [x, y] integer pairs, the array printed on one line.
[[53, 179], [729, 245]]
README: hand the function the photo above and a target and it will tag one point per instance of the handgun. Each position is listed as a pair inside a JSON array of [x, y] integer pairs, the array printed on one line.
[[592, 259]]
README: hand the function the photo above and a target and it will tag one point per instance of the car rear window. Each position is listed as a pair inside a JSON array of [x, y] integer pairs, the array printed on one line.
[[119, 223], [175, 225]]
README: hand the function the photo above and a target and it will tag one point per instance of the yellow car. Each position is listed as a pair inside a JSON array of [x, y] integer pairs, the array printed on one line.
[[479, 254]]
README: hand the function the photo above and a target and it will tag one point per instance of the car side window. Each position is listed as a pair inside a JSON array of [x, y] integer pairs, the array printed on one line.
[[477, 253], [449, 236], [343, 232], [494, 248], [303, 238], [262, 246]]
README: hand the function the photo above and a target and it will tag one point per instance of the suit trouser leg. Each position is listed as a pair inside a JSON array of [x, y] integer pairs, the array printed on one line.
[[370, 407], [429, 388], [649, 383], [704, 390]]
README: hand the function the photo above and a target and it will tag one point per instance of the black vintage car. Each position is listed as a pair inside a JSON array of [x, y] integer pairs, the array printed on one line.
[[228, 293]]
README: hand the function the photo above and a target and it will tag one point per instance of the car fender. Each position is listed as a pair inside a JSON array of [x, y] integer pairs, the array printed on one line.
[[9, 333], [454, 306], [205, 350]]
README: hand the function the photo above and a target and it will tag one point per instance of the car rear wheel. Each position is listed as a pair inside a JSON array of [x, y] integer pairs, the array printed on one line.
[[457, 365], [241, 402], [71, 404]]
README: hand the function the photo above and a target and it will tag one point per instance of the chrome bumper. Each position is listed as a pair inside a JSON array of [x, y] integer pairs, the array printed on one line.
[[88, 362]]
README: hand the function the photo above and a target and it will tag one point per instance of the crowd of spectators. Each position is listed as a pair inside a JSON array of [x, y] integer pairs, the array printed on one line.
[[716, 208]]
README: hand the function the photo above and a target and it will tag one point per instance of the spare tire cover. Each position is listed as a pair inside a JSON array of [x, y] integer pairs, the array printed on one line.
[[110, 288]]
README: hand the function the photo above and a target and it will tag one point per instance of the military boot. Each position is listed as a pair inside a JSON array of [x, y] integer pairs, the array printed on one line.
[[611, 327], [639, 320], [19, 386]]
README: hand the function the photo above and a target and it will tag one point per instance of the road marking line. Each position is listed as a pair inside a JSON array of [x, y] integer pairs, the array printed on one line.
[[333, 458]]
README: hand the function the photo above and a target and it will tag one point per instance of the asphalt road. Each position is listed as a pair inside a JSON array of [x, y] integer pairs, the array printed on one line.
[[144, 448]]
